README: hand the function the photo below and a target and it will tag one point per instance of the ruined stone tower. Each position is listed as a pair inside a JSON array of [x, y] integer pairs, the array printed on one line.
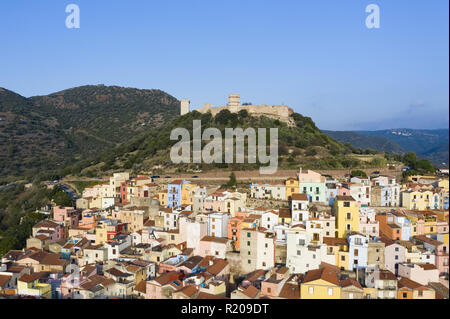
[[185, 107], [234, 102]]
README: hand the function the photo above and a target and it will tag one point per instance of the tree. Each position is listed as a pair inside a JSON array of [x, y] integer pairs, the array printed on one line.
[[425, 166], [243, 113], [223, 117], [359, 173], [7, 244], [410, 159], [232, 181]]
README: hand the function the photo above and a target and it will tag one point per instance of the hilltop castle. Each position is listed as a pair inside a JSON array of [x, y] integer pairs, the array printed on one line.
[[279, 112]]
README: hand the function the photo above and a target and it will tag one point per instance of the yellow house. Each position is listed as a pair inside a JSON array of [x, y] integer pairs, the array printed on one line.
[[101, 234], [29, 285], [284, 216], [339, 248], [445, 239], [347, 215], [430, 226], [187, 193], [414, 225], [443, 183], [163, 198], [417, 200], [292, 187], [370, 293], [217, 288], [320, 284]]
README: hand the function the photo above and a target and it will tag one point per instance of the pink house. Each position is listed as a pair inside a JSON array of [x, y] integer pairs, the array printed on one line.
[[56, 231], [214, 246], [421, 273], [215, 205], [440, 250], [271, 287], [442, 227], [343, 191], [66, 214], [420, 227], [368, 225], [155, 288]]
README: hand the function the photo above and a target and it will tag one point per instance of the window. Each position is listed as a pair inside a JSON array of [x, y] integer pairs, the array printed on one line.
[[248, 243], [269, 290], [349, 216], [249, 261], [311, 290], [299, 252], [405, 295], [248, 235], [350, 296], [330, 291], [264, 264]]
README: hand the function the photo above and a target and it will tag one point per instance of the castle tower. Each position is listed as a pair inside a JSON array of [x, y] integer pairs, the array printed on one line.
[[234, 102], [185, 107]]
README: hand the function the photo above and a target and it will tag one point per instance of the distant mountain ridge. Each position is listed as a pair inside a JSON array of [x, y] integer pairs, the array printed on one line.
[[428, 144]]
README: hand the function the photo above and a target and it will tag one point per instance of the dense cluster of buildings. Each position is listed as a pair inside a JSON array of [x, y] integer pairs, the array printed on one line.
[[333, 239]]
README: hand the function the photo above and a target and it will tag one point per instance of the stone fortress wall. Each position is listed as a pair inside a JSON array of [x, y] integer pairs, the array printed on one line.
[[279, 112]]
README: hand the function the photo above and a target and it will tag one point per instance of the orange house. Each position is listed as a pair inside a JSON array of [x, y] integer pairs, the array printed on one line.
[[234, 230], [388, 227]]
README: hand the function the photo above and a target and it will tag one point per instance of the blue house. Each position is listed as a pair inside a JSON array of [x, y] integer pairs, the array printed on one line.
[[174, 193]]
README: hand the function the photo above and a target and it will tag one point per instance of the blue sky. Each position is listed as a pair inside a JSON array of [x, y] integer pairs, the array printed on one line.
[[317, 56]]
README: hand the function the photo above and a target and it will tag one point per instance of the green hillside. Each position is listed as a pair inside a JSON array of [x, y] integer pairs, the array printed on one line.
[[45, 133], [302, 145]]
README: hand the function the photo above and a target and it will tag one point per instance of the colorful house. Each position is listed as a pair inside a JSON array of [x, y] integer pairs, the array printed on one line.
[[346, 211], [409, 289], [174, 190], [320, 284], [292, 187], [312, 184], [34, 285]]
